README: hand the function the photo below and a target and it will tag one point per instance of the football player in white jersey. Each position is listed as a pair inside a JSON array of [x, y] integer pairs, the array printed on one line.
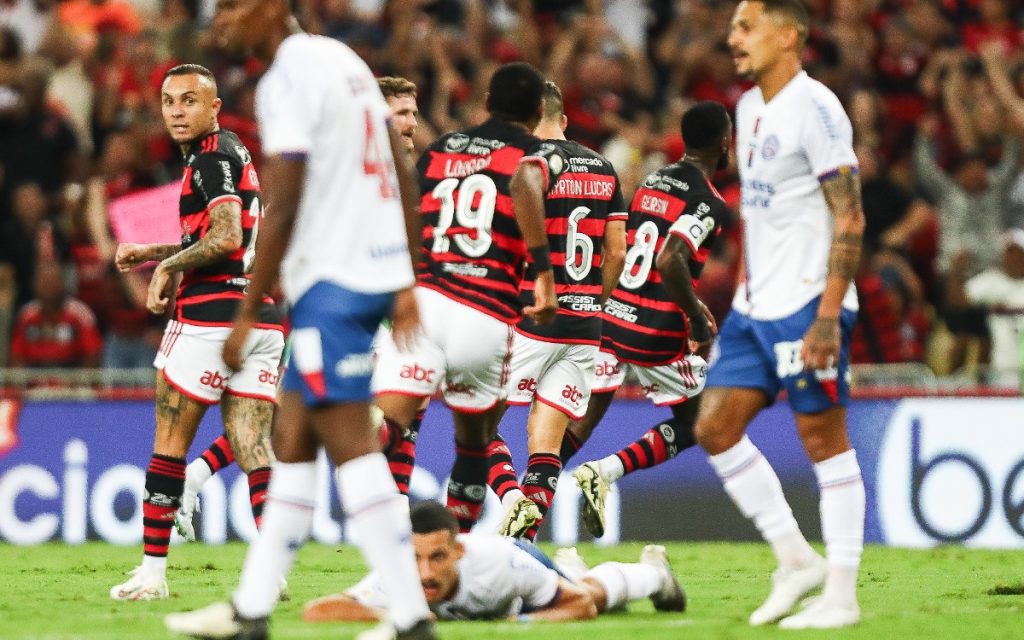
[[481, 576], [330, 159], [792, 318]]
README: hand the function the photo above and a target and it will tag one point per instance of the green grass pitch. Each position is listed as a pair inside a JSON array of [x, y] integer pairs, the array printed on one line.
[[59, 592]]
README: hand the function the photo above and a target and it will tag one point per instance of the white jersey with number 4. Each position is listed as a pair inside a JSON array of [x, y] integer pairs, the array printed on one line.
[[783, 149], [497, 579], [320, 101]]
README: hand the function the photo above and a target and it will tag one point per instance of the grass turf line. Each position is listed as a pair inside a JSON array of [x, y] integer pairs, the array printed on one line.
[[57, 592]]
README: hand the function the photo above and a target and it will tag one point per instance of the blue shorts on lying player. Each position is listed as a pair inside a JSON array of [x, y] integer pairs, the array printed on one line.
[[332, 333], [765, 354]]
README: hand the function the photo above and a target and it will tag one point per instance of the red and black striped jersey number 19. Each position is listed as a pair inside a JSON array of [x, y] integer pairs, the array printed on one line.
[[472, 249]]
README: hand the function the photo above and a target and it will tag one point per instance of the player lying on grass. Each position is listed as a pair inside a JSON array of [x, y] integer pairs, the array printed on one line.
[[473, 577]]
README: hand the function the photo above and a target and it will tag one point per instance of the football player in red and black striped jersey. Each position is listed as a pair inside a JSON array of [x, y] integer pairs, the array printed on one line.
[[553, 366], [654, 324], [482, 205], [220, 215]]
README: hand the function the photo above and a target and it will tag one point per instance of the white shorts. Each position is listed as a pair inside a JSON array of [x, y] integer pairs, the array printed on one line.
[[666, 384], [462, 351], [190, 358], [556, 373]]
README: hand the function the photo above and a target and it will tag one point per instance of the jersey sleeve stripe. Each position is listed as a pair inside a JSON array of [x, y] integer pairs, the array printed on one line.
[[828, 175], [685, 238], [228, 197]]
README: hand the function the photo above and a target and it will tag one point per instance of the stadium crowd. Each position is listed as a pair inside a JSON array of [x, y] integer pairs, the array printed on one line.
[[934, 88]]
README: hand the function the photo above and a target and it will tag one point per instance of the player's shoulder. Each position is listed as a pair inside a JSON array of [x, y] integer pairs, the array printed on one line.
[[297, 48], [669, 178], [749, 98], [581, 154], [227, 143], [488, 553], [816, 95]]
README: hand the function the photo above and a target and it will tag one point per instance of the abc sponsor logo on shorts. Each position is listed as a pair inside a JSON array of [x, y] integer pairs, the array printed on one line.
[[418, 373], [607, 369], [572, 394], [213, 379], [953, 471], [268, 377], [527, 384], [459, 388]]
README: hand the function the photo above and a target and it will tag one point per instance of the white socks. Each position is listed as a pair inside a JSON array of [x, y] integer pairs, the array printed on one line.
[[154, 564], [287, 520], [196, 474], [610, 468], [752, 484], [842, 524], [379, 516], [624, 582]]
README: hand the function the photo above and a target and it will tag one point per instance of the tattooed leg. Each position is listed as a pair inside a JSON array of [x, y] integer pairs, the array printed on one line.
[[177, 419], [247, 424]]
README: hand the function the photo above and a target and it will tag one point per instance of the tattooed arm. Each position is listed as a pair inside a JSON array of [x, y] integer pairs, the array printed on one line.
[[223, 237], [842, 194], [674, 266], [130, 255]]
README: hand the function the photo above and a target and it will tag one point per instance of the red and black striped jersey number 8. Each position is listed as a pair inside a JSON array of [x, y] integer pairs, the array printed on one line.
[[640, 257]]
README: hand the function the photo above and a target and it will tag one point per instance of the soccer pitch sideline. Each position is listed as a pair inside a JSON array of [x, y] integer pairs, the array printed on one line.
[[60, 592]]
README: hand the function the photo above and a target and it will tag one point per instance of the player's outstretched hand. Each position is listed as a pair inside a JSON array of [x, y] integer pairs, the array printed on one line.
[[821, 345], [129, 255], [233, 346], [159, 291], [545, 303], [405, 320]]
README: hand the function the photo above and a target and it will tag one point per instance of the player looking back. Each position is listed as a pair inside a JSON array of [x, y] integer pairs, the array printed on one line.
[[792, 319], [400, 94], [482, 204], [340, 229], [220, 212], [552, 366]]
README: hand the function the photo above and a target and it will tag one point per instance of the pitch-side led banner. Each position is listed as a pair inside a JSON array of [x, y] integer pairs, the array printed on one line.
[[937, 471]]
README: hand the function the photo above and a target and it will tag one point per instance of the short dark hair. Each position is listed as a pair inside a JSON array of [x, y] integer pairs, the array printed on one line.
[[704, 125], [393, 86], [554, 107], [189, 69], [515, 92], [429, 516], [794, 11]]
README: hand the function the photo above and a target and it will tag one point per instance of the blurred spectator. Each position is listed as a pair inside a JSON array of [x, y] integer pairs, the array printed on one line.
[[20, 235], [1000, 291], [29, 19], [970, 200], [70, 88], [36, 144], [970, 203], [54, 329], [91, 17]]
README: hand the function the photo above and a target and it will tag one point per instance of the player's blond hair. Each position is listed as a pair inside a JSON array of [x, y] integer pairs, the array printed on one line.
[[394, 86]]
